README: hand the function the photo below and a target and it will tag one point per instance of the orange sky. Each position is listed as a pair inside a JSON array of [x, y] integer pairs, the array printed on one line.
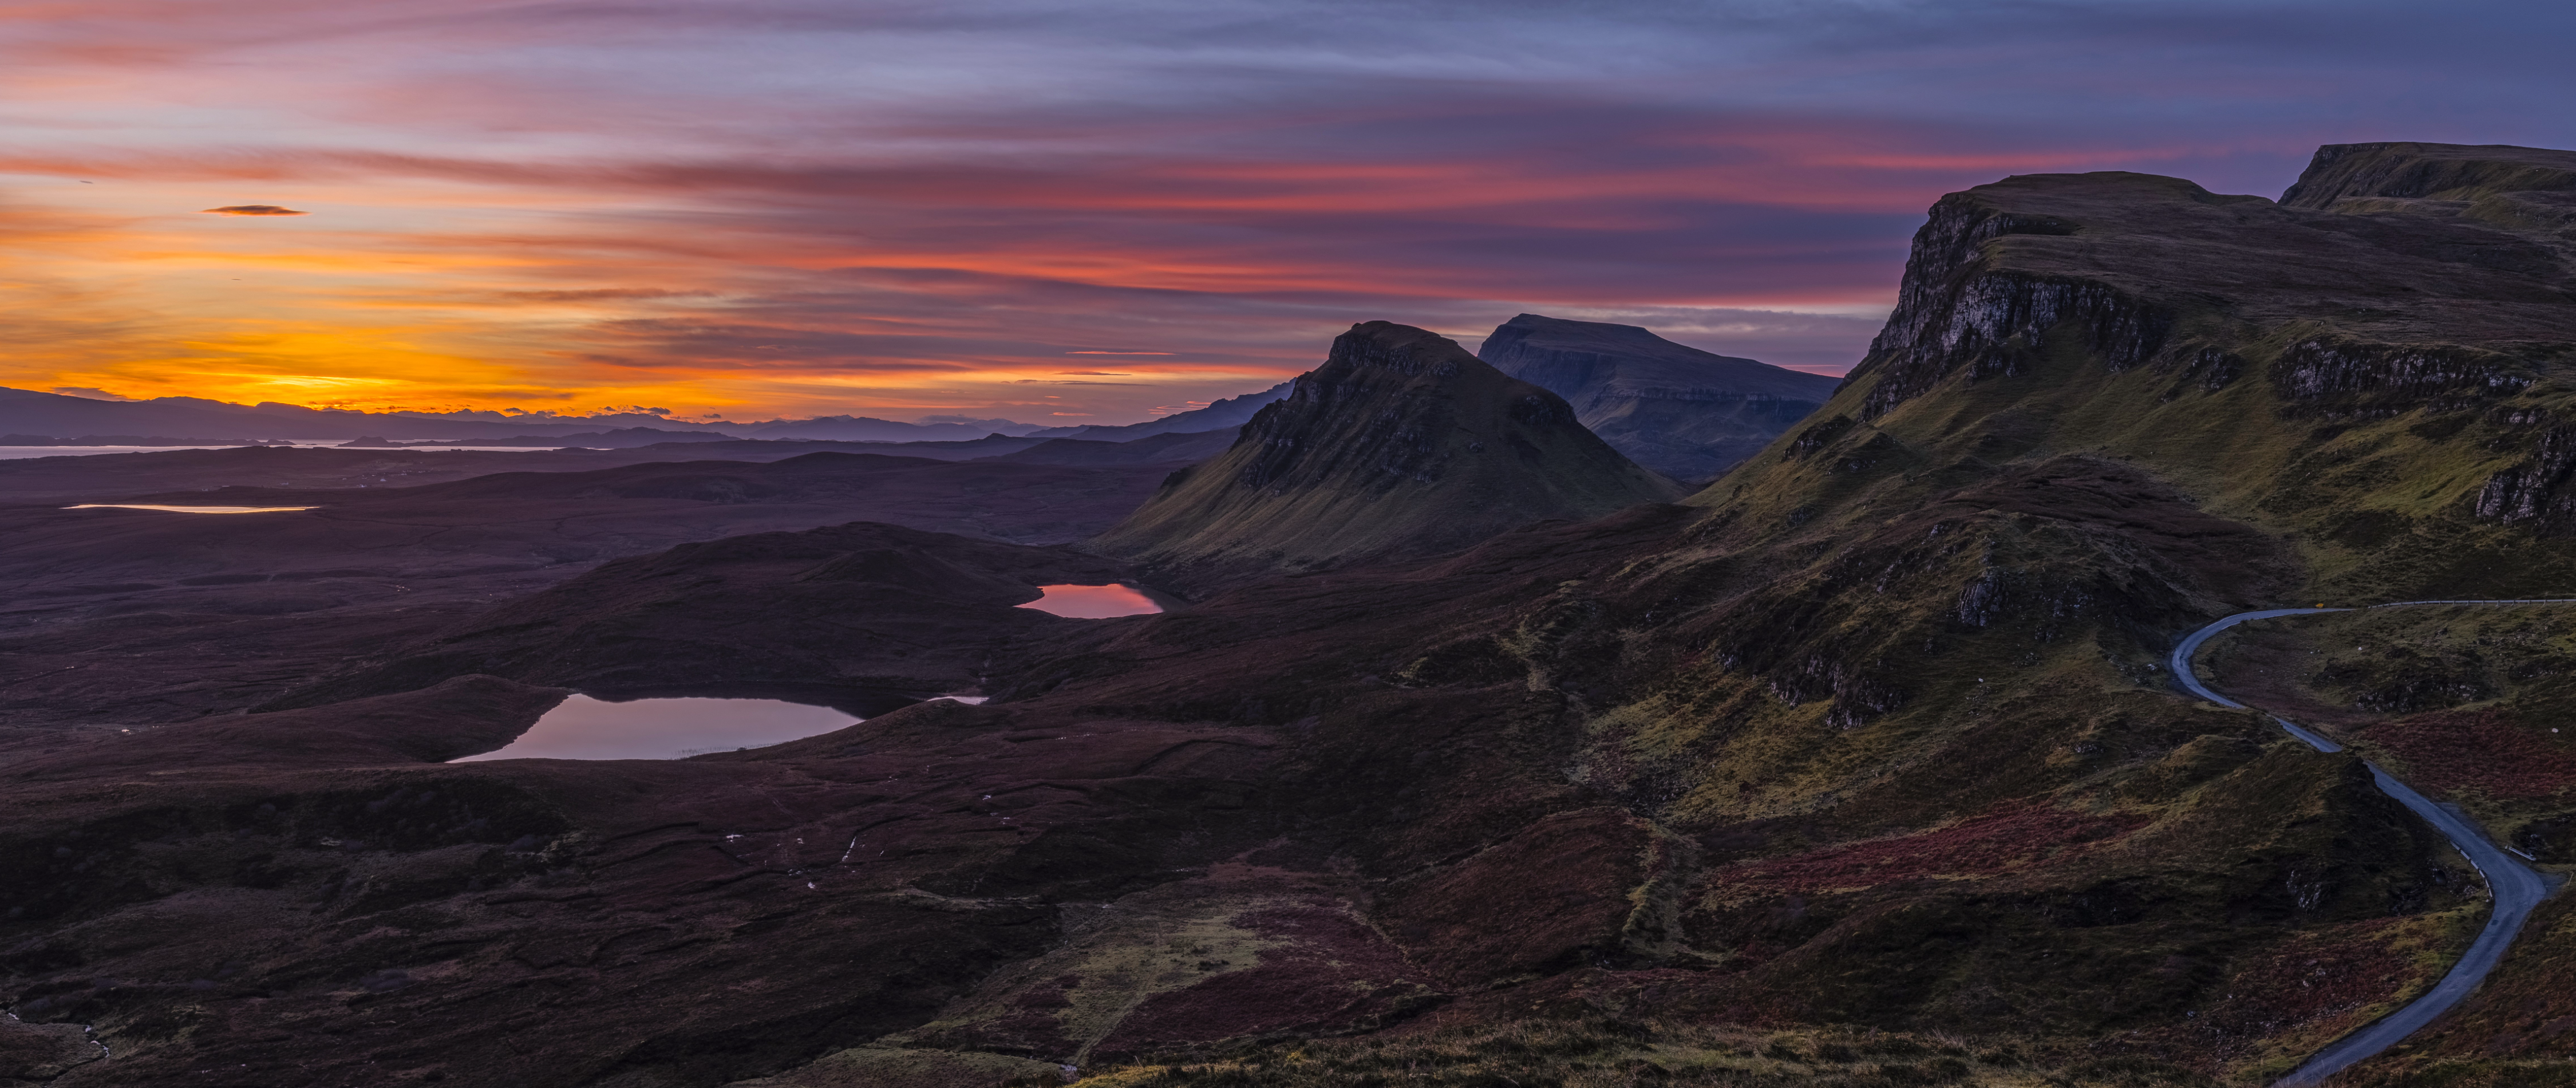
[[1057, 213]]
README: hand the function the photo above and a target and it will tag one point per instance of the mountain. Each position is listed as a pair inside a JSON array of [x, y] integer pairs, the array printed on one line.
[[1680, 411], [1402, 443], [1218, 415]]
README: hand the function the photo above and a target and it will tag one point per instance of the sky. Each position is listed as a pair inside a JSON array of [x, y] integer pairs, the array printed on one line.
[[1093, 211]]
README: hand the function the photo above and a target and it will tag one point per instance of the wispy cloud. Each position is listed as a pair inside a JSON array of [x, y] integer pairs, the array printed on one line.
[[767, 206]]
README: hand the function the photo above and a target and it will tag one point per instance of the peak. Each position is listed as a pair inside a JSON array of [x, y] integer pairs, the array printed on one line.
[[1385, 343], [1400, 444]]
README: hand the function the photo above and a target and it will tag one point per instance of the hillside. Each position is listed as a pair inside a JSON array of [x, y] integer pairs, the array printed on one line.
[[1680, 411], [1400, 444]]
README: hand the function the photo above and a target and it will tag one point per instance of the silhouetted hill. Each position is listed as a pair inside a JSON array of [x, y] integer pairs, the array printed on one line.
[[1680, 411], [1402, 443]]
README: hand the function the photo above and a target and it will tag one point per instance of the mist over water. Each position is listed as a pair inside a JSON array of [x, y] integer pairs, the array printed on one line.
[[582, 727], [1094, 602]]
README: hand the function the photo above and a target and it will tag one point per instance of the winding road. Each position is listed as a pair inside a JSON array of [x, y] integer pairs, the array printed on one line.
[[2518, 888]]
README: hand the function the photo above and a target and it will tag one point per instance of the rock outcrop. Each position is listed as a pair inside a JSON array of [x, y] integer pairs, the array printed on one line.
[[1401, 444], [1683, 412], [2398, 271]]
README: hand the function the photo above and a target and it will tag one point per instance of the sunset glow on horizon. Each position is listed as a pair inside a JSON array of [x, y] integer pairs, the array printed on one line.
[[1064, 212]]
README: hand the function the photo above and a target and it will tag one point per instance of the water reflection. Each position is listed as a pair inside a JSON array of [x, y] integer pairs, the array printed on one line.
[[189, 509], [1094, 602], [582, 727]]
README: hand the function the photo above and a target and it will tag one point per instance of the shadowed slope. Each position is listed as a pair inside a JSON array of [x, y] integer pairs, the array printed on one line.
[[1684, 412], [1400, 444]]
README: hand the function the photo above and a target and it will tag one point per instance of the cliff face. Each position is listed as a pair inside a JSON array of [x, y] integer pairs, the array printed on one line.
[[1401, 444], [2389, 296], [1680, 411]]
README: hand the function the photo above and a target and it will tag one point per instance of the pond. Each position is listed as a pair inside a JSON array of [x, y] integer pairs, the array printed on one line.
[[1095, 602], [582, 727]]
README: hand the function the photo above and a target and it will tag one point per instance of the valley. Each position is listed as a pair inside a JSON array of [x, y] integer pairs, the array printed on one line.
[[1463, 746]]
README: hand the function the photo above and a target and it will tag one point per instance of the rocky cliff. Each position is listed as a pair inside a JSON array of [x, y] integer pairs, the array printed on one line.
[[1680, 411], [1401, 444], [2389, 274]]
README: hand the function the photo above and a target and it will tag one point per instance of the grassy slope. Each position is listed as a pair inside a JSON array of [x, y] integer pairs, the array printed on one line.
[[2476, 707], [2069, 740]]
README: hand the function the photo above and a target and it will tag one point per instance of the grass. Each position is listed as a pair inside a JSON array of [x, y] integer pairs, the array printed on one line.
[[1620, 1053]]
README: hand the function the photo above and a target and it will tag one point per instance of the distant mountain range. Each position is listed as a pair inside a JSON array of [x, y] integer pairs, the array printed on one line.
[[28, 417], [32, 414]]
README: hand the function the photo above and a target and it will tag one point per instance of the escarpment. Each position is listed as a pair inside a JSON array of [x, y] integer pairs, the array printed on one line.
[[2373, 286], [1401, 444]]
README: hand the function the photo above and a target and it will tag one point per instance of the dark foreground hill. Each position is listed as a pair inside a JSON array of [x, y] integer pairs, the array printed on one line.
[[1401, 444], [1680, 411], [129, 616], [863, 613], [1859, 770]]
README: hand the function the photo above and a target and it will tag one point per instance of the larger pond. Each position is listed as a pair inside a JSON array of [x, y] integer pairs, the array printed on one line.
[[582, 727]]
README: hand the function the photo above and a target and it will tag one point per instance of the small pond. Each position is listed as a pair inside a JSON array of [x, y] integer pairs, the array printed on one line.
[[582, 727], [1095, 602]]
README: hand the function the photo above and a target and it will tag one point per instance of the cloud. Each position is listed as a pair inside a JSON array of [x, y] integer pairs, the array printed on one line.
[[86, 393], [900, 209]]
